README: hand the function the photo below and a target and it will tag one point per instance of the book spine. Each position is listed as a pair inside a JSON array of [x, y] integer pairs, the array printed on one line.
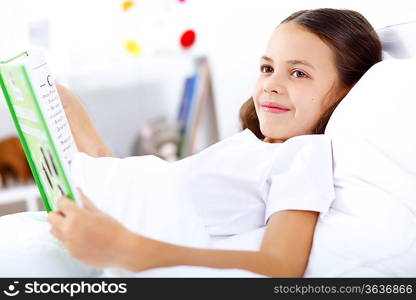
[[191, 103], [181, 111], [188, 103], [182, 117], [199, 102]]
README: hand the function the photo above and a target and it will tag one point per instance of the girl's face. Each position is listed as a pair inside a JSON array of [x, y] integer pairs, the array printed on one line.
[[298, 75]]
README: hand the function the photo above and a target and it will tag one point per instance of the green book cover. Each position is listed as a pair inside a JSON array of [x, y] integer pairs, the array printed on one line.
[[41, 123]]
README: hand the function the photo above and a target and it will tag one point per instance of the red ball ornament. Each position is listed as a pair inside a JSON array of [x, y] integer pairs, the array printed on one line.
[[188, 38]]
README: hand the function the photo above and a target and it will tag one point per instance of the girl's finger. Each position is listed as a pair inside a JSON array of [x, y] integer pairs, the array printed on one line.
[[66, 205], [56, 233], [56, 219], [87, 202]]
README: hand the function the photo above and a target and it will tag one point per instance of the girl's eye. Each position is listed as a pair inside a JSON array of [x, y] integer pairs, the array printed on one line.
[[266, 69], [300, 73]]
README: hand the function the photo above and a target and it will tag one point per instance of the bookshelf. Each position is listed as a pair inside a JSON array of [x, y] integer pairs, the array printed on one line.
[[17, 193], [196, 125]]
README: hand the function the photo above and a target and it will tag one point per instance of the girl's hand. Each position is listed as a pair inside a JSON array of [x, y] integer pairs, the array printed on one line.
[[85, 134], [90, 235]]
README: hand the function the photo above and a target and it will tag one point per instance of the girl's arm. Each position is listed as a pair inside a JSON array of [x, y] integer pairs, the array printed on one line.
[[284, 251], [98, 240], [85, 134]]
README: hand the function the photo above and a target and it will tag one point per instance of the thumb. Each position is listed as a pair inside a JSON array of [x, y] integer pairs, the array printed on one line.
[[87, 203]]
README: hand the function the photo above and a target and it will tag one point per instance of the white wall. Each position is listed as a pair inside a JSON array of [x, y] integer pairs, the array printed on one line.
[[86, 43]]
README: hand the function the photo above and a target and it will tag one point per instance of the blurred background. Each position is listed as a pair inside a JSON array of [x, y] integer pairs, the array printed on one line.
[[130, 63]]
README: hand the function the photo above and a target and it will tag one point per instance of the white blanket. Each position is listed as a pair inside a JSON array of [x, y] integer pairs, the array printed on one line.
[[27, 249], [140, 193]]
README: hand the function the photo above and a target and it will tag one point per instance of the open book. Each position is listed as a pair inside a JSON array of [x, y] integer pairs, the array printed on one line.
[[41, 123]]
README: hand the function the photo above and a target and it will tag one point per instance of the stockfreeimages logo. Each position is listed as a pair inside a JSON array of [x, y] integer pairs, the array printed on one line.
[[70, 289]]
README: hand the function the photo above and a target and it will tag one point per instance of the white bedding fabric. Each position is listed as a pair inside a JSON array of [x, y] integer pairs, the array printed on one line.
[[27, 249], [398, 41], [371, 226]]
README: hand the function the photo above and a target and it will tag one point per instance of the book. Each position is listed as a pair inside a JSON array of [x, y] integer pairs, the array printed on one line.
[[204, 130], [41, 124], [184, 112], [182, 107], [197, 114]]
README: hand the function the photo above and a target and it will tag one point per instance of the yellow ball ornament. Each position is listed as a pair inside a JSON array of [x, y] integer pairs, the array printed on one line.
[[133, 47]]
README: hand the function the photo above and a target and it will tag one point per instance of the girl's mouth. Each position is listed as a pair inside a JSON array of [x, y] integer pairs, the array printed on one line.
[[273, 107]]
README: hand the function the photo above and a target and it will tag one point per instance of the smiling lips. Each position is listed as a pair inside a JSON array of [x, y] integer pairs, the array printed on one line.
[[273, 107]]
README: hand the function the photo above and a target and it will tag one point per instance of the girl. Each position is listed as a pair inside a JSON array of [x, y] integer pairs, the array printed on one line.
[[276, 173]]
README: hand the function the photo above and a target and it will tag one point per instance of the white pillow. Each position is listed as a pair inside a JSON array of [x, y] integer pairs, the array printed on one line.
[[370, 229], [398, 41], [27, 249]]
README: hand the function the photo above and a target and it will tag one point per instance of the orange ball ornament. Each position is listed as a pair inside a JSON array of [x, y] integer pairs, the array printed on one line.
[[127, 5]]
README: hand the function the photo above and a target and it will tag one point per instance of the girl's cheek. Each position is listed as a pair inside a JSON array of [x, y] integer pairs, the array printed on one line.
[[311, 113], [257, 92], [259, 83]]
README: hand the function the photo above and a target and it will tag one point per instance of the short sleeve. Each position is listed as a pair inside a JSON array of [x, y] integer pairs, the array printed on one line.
[[302, 177]]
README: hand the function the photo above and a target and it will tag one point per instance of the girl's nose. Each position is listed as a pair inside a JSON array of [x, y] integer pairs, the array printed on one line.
[[271, 90], [272, 85]]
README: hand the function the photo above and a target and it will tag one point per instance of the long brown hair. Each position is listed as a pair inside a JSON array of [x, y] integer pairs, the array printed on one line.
[[355, 44]]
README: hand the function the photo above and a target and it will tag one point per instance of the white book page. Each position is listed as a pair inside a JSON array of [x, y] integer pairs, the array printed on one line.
[[52, 110]]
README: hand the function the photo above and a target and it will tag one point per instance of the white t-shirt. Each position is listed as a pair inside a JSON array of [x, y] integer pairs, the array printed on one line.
[[239, 182], [228, 188]]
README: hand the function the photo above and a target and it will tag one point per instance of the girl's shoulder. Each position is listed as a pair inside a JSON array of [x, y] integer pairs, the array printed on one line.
[[304, 153]]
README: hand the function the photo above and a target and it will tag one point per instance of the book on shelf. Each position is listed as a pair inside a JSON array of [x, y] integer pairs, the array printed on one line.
[[184, 111], [41, 124], [197, 113]]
